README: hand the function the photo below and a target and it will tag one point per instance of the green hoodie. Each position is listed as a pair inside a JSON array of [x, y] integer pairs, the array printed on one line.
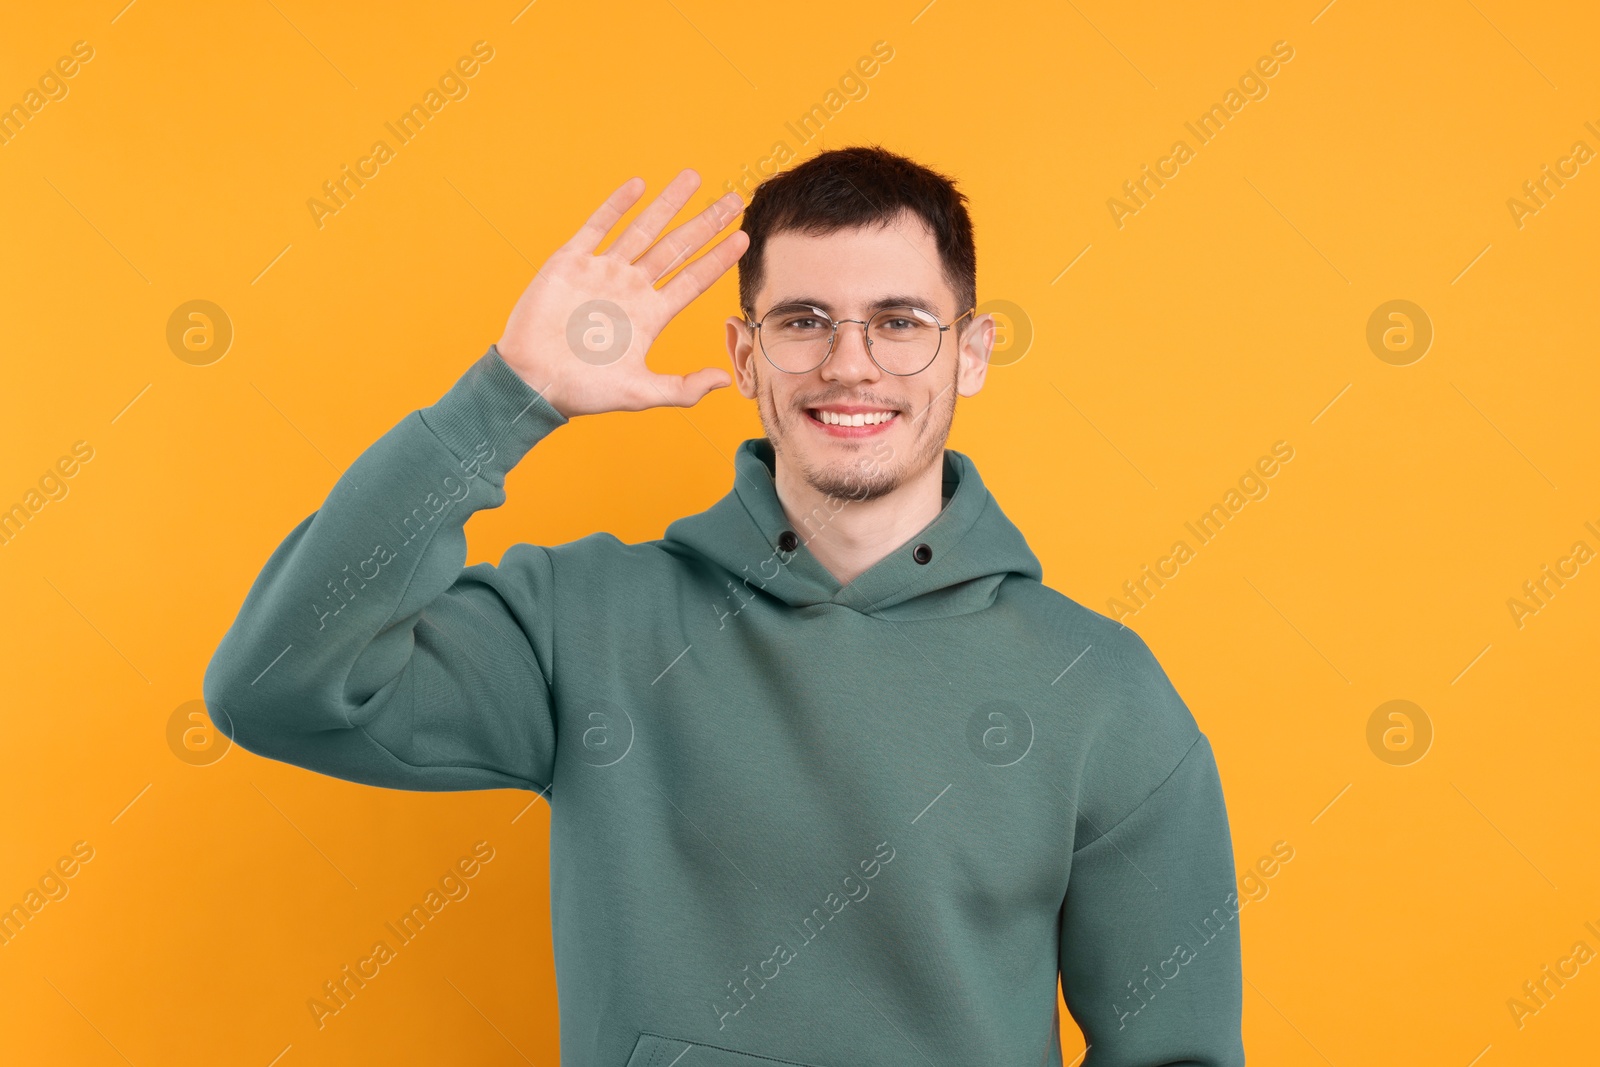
[[791, 823]]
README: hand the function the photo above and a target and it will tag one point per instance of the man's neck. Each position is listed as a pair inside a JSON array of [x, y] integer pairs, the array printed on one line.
[[849, 540]]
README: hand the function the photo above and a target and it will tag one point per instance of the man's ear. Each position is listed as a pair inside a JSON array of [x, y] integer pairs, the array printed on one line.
[[972, 354], [741, 350]]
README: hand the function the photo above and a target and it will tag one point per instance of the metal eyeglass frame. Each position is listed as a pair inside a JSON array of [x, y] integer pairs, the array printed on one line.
[[833, 336]]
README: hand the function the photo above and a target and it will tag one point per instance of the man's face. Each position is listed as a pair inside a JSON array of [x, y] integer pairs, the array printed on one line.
[[846, 274]]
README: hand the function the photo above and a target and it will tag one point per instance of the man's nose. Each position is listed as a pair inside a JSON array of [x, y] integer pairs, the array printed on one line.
[[850, 359]]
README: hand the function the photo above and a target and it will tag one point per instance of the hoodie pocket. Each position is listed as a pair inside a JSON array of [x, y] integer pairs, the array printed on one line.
[[653, 1050]]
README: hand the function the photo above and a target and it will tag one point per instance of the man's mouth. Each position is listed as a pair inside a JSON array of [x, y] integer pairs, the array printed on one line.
[[852, 420]]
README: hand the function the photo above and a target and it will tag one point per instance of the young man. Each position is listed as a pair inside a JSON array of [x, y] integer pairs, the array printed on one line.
[[834, 779]]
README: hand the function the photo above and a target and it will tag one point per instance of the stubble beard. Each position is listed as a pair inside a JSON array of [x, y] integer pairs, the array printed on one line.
[[868, 476]]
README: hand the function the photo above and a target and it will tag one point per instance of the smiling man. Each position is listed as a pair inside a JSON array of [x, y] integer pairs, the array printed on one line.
[[863, 418], [834, 778]]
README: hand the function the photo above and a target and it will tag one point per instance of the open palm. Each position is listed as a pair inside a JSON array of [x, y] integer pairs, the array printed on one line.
[[580, 331]]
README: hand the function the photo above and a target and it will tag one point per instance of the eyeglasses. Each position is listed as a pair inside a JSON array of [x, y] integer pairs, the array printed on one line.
[[797, 338]]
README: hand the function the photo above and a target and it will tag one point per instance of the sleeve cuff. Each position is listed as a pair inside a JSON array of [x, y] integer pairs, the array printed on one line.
[[491, 405]]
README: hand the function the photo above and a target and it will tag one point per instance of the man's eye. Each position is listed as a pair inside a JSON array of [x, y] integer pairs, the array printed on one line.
[[899, 324]]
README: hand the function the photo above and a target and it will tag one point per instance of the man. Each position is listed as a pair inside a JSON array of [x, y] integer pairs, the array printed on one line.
[[834, 779]]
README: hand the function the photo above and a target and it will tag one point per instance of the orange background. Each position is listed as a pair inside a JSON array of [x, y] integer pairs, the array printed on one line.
[[1229, 313]]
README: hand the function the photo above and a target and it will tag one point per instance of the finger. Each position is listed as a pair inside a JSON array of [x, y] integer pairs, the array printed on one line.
[[699, 276], [647, 227], [684, 390], [590, 234], [677, 247]]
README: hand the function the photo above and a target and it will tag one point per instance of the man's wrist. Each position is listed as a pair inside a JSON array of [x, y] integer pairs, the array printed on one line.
[[490, 406], [550, 390]]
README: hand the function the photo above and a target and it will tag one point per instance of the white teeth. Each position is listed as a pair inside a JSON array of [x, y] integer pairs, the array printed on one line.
[[834, 418]]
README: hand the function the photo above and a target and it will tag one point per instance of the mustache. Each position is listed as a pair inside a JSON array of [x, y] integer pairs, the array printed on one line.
[[865, 401]]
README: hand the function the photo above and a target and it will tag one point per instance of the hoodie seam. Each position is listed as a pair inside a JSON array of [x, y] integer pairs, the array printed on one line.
[[722, 1048], [1148, 797], [519, 781]]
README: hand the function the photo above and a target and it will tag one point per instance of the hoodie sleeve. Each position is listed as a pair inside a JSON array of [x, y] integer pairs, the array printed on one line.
[[367, 650], [1150, 963]]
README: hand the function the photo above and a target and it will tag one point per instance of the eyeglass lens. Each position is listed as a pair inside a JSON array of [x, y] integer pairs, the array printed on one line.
[[902, 340]]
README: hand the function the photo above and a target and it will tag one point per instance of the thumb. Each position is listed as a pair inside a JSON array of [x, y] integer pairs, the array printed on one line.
[[686, 390]]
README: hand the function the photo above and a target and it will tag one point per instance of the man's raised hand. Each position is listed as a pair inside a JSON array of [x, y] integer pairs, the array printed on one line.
[[581, 329]]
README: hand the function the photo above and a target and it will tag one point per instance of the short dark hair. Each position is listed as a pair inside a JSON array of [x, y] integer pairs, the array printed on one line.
[[858, 186]]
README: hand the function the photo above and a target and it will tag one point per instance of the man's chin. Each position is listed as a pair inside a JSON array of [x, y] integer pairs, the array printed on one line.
[[844, 479]]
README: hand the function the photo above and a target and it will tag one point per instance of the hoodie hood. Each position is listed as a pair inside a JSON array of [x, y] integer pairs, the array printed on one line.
[[952, 566]]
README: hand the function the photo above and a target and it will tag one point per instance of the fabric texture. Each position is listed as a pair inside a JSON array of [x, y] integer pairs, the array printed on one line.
[[791, 820]]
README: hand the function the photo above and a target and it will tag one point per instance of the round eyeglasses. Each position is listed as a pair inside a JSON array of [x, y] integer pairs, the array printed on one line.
[[797, 338]]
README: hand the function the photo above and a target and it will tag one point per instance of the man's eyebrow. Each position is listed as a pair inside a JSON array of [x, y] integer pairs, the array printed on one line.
[[890, 301]]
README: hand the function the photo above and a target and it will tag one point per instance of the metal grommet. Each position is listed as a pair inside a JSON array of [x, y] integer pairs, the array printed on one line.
[[922, 553], [787, 541]]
